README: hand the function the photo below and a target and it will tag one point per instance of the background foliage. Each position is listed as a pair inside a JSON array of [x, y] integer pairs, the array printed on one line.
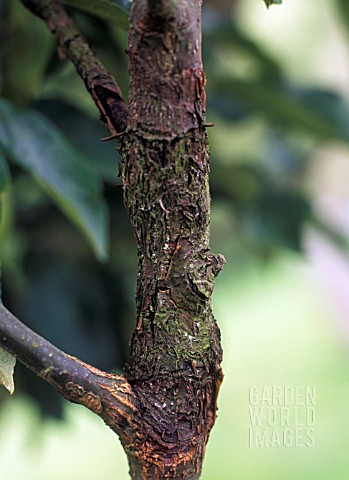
[[279, 156]]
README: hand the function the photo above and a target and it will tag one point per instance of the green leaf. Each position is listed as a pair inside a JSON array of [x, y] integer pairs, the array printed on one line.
[[7, 365], [34, 143], [115, 11], [272, 2]]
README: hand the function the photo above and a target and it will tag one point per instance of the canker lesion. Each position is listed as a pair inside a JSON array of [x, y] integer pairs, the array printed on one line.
[[92, 402], [75, 389], [88, 399]]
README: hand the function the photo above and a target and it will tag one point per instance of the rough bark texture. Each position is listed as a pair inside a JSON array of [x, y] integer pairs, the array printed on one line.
[[165, 406], [175, 349], [100, 84]]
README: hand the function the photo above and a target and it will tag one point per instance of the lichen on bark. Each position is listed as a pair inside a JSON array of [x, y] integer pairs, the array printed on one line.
[[166, 193], [175, 358]]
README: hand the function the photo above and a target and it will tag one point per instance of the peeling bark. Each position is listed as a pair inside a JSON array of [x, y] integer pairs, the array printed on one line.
[[165, 406], [175, 349]]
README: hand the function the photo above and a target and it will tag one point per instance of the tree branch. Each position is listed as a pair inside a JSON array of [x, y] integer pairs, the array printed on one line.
[[109, 396], [100, 83]]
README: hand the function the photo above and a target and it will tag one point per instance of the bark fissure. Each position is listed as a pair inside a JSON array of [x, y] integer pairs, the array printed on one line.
[[175, 349], [165, 406], [175, 359]]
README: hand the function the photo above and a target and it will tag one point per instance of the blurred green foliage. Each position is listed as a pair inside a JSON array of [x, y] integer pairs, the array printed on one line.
[[62, 210], [111, 10]]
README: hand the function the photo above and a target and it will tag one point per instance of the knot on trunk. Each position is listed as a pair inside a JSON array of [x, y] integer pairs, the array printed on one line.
[[203, 269]]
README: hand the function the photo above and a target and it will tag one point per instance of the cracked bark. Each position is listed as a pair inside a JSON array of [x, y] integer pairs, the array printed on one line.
[[165, 406], [175, 349]]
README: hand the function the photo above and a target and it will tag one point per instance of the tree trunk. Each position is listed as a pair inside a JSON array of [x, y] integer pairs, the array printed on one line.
[[175, 349], [165, 406]]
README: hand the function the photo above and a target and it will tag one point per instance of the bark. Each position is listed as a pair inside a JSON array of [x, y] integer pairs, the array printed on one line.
[[101, 85], [75, 380], [175, 349], [165, 406]]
